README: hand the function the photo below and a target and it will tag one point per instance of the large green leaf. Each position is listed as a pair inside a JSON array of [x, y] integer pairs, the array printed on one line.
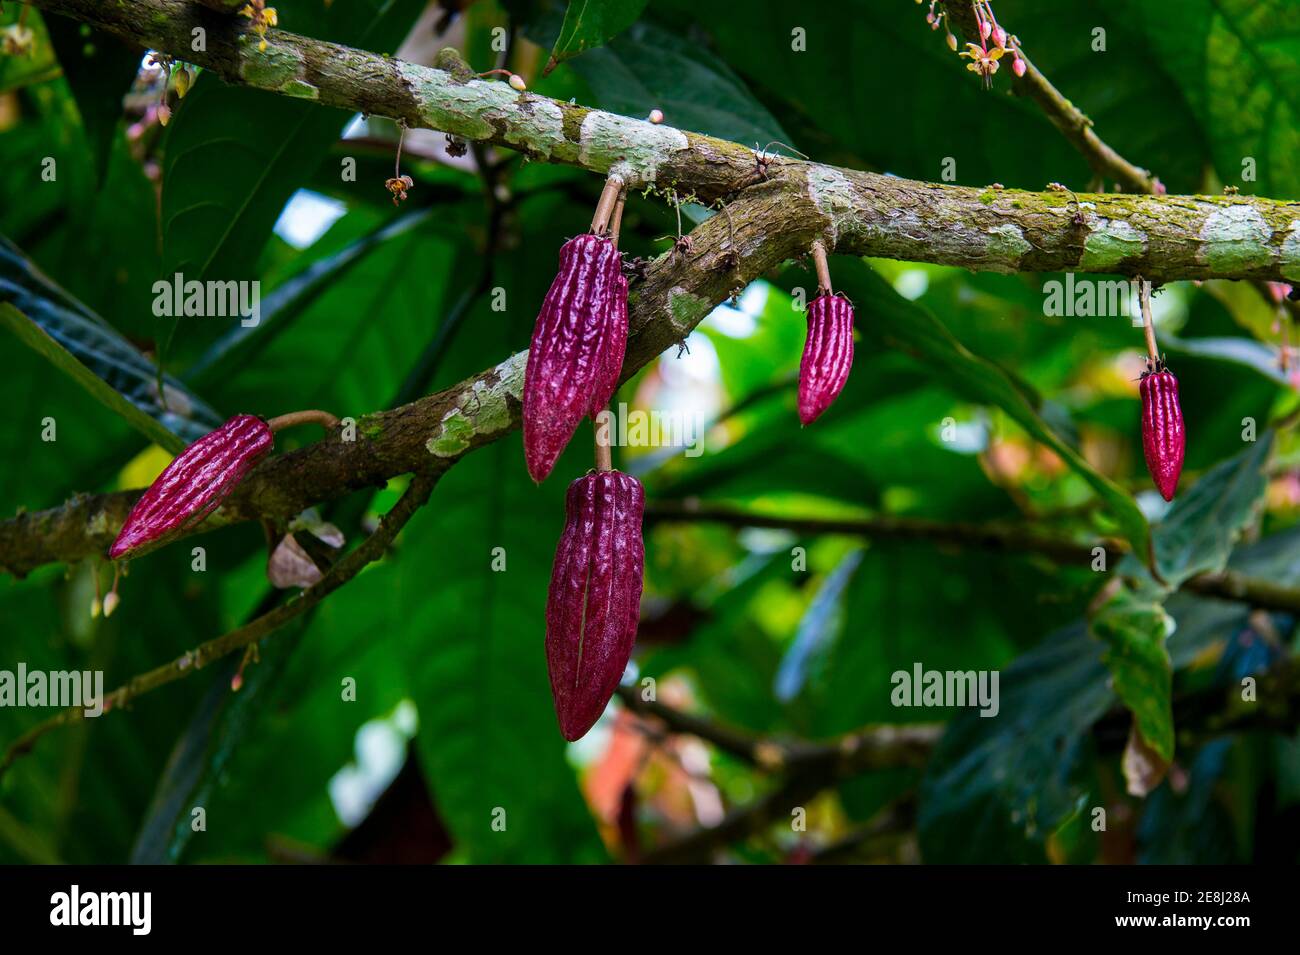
[[95, 356], [898, 323], [649, 67], [1238, 64], [1200, 530], [864, 82], [235, 155], [590, 23], [99, 70]]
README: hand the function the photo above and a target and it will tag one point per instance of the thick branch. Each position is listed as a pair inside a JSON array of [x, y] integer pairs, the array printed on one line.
[[774, 219], [1162, 238]]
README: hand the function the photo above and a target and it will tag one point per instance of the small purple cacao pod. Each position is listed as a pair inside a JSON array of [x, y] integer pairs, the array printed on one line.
[[827, 355], [594, 602], [1163, 437], [614, 351], [192, 486], [567, 358]]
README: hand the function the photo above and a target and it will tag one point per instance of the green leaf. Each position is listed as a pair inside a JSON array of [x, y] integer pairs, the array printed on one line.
[[899, 323], [995, 789], [649, 67], [292, 298], [93, 354], [235, 155], [100, 70], [1238, 64], [591, 23], [1203, 525], [31, 334], [1134, 628]]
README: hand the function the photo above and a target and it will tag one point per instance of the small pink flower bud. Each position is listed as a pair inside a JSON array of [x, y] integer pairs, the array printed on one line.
[[999, 37], [1018, 66]]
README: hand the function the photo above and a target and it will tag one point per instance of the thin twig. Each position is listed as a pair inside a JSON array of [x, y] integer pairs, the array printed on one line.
[[370, 550]]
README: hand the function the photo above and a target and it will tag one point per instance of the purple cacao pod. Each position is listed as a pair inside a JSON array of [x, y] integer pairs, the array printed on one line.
[[615, 350], [192, 486], [827, 355], [594, 602], [567, 361], [1163, 437]]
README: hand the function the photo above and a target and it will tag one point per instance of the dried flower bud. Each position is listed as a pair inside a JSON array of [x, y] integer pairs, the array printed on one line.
[[164, 114], [827, 355], [183, 80], [1163, 438], [568, 361], [193, 485], [594, 601], [96, 608]]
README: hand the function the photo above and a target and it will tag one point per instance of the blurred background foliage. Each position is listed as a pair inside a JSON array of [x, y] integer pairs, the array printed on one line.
[[367, 304]]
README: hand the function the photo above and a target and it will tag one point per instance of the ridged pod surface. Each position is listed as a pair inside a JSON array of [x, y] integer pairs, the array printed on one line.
[[595, 597], [615, 350], [569, 355], [827, 355], [196, 481], [1163, 437]]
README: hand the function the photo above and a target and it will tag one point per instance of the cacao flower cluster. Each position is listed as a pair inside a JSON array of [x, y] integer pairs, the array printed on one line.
[[594, 601], [1163, 437], [576, 355], [194, 484], [827, 355]]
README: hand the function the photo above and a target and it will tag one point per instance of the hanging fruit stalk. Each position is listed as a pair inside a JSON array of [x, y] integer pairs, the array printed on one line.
[[1163, 437], [594, 600], [576, 352], [828, 349], [200, 478]]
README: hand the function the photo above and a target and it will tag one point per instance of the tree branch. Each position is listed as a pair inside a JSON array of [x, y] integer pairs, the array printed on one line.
[[370, 550], [1161, 238], [1004, 538], [782, 205]]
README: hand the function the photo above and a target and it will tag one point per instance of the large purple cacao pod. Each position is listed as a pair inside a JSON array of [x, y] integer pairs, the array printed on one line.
[[1163, 437], [192, 486], [827, 355], [568, 358], [594, 602]]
